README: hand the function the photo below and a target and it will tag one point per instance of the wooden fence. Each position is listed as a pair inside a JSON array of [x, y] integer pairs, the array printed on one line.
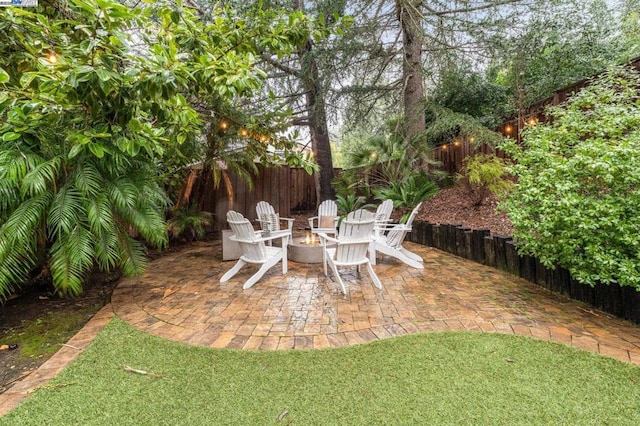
[[452, 155], [287, 189], [499, 251]]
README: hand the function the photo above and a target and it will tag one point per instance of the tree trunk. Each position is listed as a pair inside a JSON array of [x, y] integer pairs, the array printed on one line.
[[318, 129], [317, 117], [410, 18]]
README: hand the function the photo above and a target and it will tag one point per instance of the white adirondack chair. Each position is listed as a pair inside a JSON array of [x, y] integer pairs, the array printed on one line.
[[325, 221], [391, 243], [351, 246], [382, 217], [270, 220], [253, 248]]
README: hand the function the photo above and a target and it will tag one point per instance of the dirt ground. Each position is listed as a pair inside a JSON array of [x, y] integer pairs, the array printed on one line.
[[34, 324], [40, 308]]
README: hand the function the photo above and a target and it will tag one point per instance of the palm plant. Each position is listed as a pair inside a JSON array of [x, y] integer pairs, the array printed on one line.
[[390, 158], [351, 202], [188, 223], [408, 193], [72, 214]]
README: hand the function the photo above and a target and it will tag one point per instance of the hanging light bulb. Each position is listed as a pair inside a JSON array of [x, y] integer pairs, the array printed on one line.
[[52, 57]]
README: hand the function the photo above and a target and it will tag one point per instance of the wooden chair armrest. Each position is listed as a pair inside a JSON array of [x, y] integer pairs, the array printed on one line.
[[324, 236], [274, 236], [367, 241], [394, 226]]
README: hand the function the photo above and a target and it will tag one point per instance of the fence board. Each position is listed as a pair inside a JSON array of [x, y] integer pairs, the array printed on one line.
[[285, 188]]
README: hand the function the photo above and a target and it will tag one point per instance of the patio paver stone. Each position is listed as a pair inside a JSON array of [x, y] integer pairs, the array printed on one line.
[[180, 298]]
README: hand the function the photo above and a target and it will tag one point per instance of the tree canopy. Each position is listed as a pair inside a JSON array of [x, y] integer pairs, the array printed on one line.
[[94, 94], [577, 197]]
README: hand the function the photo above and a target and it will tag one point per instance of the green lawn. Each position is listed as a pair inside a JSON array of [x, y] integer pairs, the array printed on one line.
[[436, 378]]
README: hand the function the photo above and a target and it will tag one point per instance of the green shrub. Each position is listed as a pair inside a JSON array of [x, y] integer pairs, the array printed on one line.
[[484, 174], [408, 193], [188, 223], [577, 199]]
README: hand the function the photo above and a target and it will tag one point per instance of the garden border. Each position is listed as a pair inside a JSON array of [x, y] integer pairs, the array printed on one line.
[[500, 251]]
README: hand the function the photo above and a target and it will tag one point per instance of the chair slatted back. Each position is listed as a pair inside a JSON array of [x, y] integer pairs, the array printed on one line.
[[357, 226], [328, 209], [383, 212], [267, 215], [250, 246], [395, 236]]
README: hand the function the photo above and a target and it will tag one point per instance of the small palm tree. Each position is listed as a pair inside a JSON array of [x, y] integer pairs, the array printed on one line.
[[72, 215], [189, 223], [408, 193], [351, 202]]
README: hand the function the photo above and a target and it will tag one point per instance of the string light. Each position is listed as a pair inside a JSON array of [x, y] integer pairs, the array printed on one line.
[[456, 142], [244, 132], [508, 129], [224, 125], [52, 58]]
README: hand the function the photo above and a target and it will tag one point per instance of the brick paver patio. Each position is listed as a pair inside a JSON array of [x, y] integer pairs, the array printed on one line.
[[180, 298]]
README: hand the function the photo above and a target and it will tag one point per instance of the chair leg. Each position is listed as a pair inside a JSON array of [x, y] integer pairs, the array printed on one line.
[[411, 255], [231, 272], [372, 253], [337, 275], [400, 255], [264, 268], [374, 277], [324, 258]]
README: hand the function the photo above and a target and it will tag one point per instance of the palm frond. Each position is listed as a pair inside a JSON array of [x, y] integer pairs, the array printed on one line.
[[15, 164], [27, 218], [41, 178], [147, 220], [72, 256], [99, 215], [122, 195], [88, 179], [18, 258], [106, 247], [133, 259], [9, 198], [66, 212]]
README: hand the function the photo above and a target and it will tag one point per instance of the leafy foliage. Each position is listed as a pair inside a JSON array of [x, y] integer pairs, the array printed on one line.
[[189, 223], [351, 202], [408, 193], [578, 194], [484, 174], [464, 91], [445, 125], [389, 158], [549, 51], [95, 99]]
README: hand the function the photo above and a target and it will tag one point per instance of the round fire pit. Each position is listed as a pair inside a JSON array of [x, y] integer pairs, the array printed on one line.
[[305, 249]]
